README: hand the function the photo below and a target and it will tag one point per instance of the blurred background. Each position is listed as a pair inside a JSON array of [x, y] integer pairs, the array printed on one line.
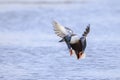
[[29, 49], [32, 19]]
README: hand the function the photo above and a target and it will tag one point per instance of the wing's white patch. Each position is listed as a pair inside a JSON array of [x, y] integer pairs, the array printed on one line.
[[74, 39], [59, 29]]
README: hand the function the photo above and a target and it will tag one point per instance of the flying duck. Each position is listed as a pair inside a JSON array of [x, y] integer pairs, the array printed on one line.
[[74, 43]]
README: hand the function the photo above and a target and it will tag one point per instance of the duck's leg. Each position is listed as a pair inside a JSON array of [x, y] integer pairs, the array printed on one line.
[[71, 52]]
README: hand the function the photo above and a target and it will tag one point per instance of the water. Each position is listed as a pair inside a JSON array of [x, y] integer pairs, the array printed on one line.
[[29, 49]]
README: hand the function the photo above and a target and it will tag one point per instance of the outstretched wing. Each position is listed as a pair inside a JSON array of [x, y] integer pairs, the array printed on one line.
[[60, 30], [70, 32]]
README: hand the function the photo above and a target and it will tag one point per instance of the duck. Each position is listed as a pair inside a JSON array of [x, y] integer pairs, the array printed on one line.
[[74, 43]]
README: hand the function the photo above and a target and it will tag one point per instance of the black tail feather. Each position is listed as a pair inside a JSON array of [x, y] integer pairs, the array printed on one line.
[[86, 31]]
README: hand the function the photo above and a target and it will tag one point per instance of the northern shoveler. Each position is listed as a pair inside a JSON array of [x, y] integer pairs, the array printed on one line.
[[74, 42]]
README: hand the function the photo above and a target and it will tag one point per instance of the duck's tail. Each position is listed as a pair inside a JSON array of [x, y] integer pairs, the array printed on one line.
[[86, 31]]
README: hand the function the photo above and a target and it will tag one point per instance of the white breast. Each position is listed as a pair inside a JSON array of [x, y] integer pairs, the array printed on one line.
[[74, 39]]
